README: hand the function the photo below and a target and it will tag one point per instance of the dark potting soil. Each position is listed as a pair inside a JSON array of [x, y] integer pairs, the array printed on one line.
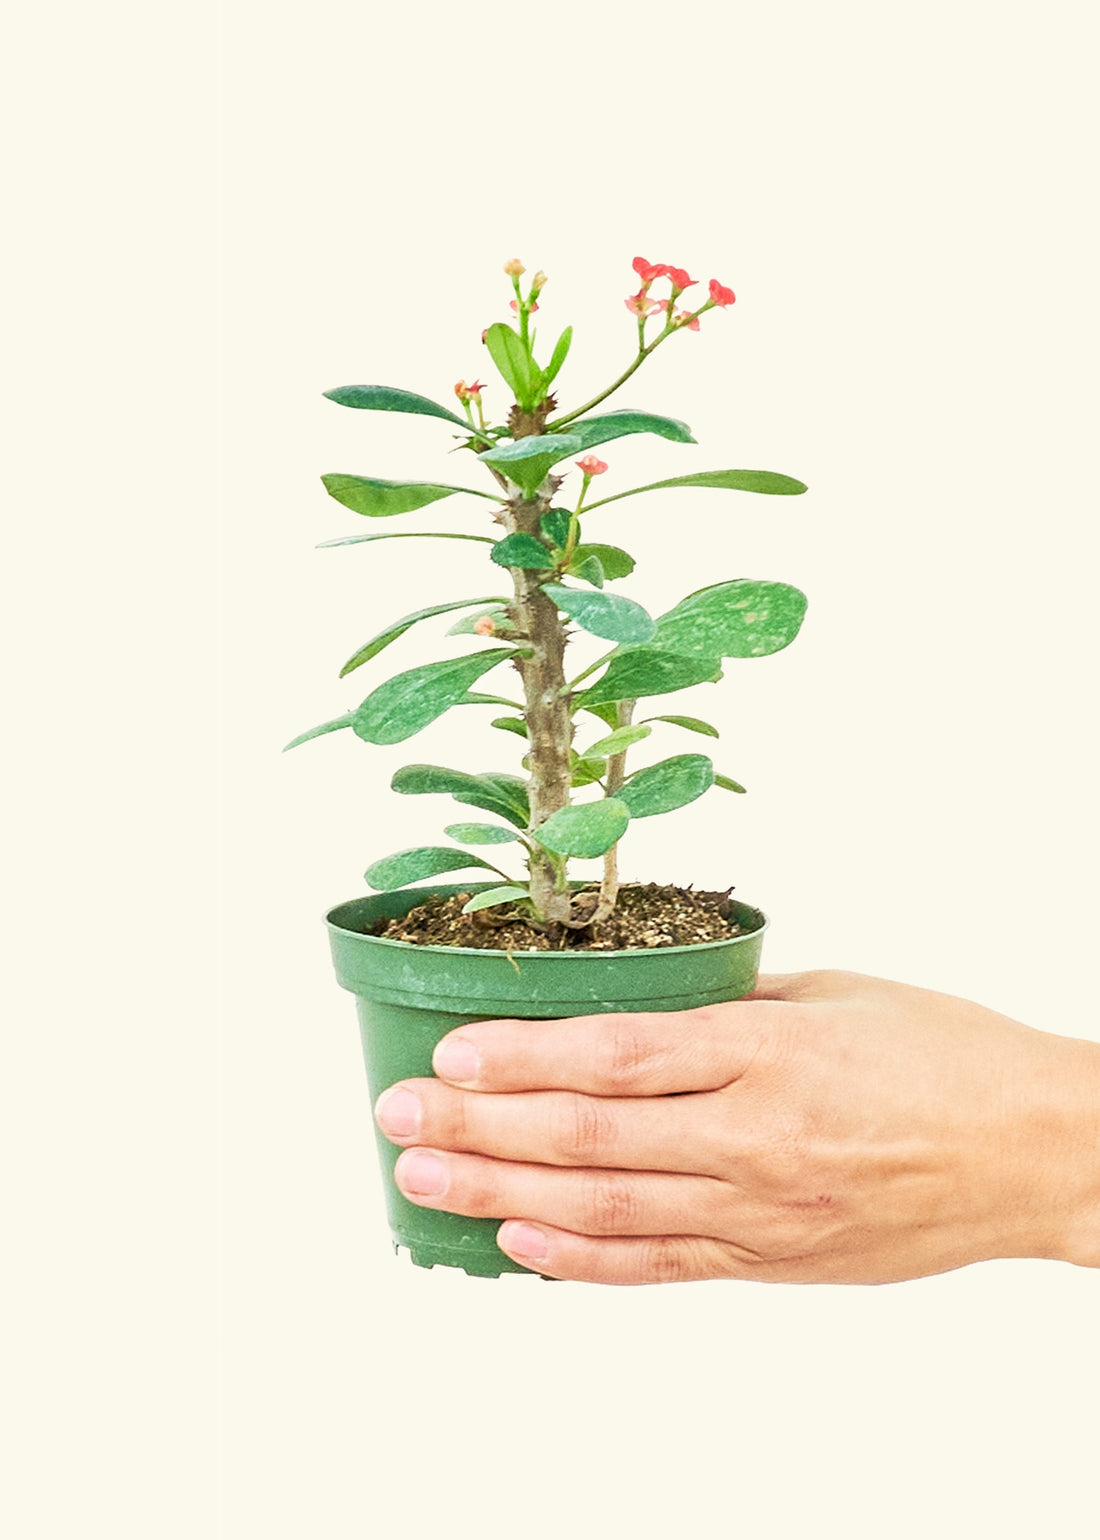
[[646, 915]]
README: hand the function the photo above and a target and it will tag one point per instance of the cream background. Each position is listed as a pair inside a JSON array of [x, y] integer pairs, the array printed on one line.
[[902, 199]]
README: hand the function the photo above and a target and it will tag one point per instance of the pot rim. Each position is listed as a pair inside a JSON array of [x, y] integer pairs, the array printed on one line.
[[527, 955]]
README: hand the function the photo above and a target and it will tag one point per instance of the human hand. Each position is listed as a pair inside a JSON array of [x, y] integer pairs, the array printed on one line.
[[830, 1128]]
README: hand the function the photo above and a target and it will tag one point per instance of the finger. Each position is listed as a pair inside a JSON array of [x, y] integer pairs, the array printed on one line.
[[648, 1259], [630, 1054], [595, 1202], [561, 1128]]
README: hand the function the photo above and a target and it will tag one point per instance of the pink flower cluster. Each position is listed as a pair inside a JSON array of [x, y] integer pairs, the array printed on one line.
[[641, 304]]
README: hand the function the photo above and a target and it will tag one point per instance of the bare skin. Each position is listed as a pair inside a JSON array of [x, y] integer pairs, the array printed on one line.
[[831, 1128]]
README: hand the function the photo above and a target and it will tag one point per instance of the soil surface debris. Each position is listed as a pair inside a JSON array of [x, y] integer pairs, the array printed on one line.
[[646, 915]]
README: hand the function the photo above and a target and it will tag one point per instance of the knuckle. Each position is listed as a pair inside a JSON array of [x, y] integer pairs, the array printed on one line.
[[609, 1205], [581, 1134], [626, 1053], [666, 1259]]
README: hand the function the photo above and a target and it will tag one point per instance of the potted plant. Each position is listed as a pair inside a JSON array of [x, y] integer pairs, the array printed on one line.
[[532, 940]]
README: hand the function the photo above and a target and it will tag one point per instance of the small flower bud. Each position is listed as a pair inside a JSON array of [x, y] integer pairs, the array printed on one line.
[[485, 625], [539, 281], [514, 267], [591, 466]]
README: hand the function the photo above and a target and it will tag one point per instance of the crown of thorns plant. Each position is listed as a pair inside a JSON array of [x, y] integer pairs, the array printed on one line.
[[559, 582]]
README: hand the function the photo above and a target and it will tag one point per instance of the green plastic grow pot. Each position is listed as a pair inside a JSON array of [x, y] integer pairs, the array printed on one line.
[[409, 996]]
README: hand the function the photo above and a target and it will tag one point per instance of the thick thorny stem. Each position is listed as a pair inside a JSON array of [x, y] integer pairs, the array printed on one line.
[[613, 781], [549, 722]]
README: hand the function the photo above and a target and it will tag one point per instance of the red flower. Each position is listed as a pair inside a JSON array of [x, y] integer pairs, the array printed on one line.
[[466, 392], [680, 279], [532, 307], [719, 294], [648, 271], [591, 466], [686, 318]]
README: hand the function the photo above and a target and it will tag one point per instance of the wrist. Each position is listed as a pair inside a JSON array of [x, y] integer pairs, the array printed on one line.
[[1064, 1148]]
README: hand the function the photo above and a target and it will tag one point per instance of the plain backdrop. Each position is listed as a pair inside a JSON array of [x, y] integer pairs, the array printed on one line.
[[903, 199]]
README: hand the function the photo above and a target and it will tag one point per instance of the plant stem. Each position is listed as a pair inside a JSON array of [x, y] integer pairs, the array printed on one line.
[[616, 775], [549, 721], [643, 354]]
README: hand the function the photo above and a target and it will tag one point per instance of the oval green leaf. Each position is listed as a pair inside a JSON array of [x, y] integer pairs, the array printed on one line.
[[387, 398], [527, 461], [382, 499], [725, 782], [515, 725], [615, 562], [407, 866], [693, 724], [399, 627], [555, 526], [586, 772], [493, 896], [666, 786], [742, 619], [520, 550], [643, 671], [608, 615], [480, 833], [617, 742], [326, 727], [410, 701], [508, 353], [590, 570], [770, 482], [589, 829], [505, 795], [601, 430]]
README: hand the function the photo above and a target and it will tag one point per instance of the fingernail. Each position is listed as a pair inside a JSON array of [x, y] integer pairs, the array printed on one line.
[[422, 1173], [523, 1241], [398, 1113], [456, 1058]]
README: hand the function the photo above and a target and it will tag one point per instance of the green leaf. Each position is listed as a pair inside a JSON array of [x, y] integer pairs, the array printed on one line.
[[586, 830], [409, 701], [520, 550], [504, 795], [411, 865], [399, 627], [607, 712], [642, 671], [586, 772], [607, 615], [770, 482], [663, 787], [742, 619], [725, 782], [511, 725], [472, 698], [693, 724], [555, 526], [507, 351], [617, 742], [381, 499], [414, 534], [527, 461], [480, 833], [615, 562], [557, 357], [491, 897], [386, 398], [326, 727], [600, 430], [497, 613], [590, 570]]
